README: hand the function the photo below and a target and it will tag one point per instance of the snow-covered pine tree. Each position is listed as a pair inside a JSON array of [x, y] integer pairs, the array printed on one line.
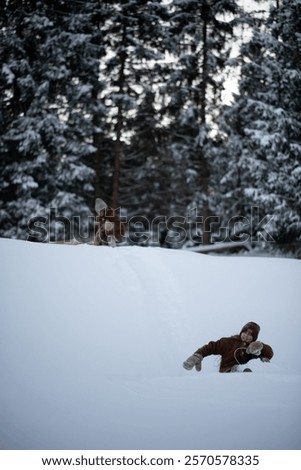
[[49, 100], [202, 32], [263, 166], [135, 45], [24, 168], [81, 44]]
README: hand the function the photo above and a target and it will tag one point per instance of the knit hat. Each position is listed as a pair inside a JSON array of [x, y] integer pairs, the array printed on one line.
[[253, 327]]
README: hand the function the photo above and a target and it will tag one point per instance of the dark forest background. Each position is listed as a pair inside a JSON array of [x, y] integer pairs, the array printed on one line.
[[124, 100]]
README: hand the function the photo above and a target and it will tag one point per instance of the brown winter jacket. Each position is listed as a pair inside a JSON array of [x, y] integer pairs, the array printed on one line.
[[233, 351]]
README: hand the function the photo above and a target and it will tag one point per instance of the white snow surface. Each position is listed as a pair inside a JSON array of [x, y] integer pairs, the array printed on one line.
[[92, 342]]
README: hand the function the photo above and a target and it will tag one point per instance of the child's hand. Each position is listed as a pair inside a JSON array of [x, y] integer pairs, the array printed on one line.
[[193, 361], [254, 348], [265, 359]]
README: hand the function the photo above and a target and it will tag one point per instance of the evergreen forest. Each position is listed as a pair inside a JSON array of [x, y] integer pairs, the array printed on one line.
[[182, 115]]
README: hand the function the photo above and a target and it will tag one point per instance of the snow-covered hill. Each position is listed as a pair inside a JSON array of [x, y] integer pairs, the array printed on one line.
[[92, 341]]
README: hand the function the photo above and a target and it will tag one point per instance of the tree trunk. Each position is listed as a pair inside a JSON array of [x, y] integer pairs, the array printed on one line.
[[117, 160], [119, 128], [97, 143], [203, 111]]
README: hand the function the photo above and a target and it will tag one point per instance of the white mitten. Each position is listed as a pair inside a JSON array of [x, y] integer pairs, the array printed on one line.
[[193, 361], [254, 348]]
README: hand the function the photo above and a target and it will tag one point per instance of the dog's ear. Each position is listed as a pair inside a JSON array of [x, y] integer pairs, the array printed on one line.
[[100, 205]]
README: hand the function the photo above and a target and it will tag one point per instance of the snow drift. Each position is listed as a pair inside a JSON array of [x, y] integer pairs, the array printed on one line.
[[92, 342]]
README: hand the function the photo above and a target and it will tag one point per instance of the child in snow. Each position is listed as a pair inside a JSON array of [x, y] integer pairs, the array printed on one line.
[[234, 350]]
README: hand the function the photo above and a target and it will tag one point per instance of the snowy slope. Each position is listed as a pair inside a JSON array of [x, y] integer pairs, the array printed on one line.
[[92, 341]]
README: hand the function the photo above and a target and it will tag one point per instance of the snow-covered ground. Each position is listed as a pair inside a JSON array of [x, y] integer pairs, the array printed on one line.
[[92, 341]]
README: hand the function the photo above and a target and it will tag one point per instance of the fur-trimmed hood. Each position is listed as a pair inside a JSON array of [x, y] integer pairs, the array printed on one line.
[[253, 327]]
